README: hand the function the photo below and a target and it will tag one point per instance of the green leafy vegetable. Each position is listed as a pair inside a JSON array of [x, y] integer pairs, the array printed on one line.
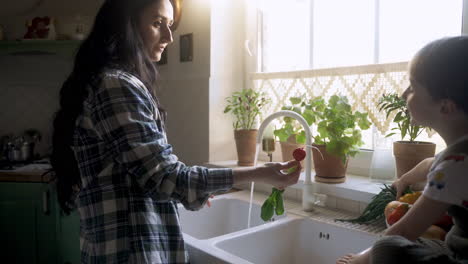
[[273, 204], [375, 210]]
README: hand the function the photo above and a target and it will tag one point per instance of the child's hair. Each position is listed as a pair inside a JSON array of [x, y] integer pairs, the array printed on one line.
[[442, 67]]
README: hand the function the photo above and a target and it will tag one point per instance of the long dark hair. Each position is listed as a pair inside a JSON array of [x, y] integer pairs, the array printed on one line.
[[114, 42]]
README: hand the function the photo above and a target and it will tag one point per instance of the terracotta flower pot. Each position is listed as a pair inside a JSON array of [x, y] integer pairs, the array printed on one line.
[[288, 147], [329, 169], [409, 154], [245, 145]]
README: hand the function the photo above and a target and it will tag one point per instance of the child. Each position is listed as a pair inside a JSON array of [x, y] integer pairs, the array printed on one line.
[[438, 98]]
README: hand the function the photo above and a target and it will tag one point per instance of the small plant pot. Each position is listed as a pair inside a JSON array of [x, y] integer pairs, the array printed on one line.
[[245, 145], [288, 147], [329, 169], [409, 154]]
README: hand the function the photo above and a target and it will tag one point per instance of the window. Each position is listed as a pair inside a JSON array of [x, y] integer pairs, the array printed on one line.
[[311, 34]]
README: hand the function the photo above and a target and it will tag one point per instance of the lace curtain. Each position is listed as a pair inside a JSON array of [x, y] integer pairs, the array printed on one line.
[[363, 85]]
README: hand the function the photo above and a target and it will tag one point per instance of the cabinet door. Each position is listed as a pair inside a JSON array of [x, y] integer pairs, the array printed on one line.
[[18, 231], [30, 230], [69, 238]]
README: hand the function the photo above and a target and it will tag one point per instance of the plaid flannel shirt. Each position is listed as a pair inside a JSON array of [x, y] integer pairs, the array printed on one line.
[[131, 181]]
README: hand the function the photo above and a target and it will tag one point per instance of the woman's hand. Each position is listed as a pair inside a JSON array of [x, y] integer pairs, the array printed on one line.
[[276, 173], [270, 173]]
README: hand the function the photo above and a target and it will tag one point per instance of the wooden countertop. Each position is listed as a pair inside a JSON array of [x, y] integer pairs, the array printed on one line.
[[24, 176]]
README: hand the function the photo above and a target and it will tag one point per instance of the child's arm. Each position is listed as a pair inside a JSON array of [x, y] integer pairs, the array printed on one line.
[[419, 218], [416, 174]]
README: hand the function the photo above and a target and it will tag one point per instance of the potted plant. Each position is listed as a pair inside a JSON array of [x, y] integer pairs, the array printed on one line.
[[245, 105], [291, 135], [338, 136], [410, 152]]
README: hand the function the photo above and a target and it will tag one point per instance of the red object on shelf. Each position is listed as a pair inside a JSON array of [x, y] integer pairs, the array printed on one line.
[[38, 28]]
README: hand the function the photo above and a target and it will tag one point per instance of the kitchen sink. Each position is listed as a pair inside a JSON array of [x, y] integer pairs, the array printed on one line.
[[226, 215], [296, 241]]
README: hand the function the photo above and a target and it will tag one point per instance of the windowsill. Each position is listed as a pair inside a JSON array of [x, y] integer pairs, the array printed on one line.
[[357, 188]]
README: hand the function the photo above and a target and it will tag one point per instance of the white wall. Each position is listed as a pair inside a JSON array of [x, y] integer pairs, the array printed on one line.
[[194, 92], [185, 86], [465, 18], [227, 72]]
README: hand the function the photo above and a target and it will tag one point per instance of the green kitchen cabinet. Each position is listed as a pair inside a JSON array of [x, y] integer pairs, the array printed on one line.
[[28, 223], [33, 228], [68, 237]]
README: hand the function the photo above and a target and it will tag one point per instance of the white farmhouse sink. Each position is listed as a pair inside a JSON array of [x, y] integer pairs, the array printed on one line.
[[226, 215], [295, 241]]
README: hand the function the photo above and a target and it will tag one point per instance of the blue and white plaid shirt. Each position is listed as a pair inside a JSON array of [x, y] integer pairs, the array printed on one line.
[[131, 181]]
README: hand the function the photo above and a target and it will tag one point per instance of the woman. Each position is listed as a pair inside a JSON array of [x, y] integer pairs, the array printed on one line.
[[110, 152]]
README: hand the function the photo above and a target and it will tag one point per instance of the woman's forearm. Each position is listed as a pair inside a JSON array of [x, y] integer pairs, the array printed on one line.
[[242, 175]]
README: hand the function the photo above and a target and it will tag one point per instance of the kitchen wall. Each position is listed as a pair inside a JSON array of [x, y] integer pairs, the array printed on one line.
[[193, 92], [29, 83], [14, 14]]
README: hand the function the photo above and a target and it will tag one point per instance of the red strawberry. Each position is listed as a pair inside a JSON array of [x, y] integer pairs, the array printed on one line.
[[299, 154]]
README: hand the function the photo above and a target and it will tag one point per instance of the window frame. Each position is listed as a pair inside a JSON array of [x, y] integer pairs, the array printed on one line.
[[259, 26]]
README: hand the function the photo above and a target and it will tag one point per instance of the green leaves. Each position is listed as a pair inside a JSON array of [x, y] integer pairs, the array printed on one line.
[[273, 204], [392, 102], [340, 127], [245, 106], [337, 125]]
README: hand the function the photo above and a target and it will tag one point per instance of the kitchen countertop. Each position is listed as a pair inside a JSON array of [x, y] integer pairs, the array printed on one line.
[[28, 173]]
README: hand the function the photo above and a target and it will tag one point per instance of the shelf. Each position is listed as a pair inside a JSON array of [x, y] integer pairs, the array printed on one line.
[[39, 47]]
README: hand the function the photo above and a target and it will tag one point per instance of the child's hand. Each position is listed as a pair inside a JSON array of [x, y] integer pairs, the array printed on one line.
[[400, 186]]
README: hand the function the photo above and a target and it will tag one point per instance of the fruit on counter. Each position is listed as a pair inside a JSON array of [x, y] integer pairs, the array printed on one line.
[[410, 198], [395, 211], [390, 207], [274, 202], [375, 210], [445, 222], [435, 232]]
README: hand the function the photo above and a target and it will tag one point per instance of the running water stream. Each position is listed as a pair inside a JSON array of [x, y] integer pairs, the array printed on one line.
[[252, 185]]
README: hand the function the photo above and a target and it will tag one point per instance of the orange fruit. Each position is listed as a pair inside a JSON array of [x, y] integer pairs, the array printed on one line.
[[434, 232]]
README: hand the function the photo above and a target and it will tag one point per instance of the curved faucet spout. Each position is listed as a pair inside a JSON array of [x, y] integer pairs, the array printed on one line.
[[308, 197]]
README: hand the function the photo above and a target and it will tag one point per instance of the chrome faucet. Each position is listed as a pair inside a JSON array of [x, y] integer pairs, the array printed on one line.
[[308, 191]]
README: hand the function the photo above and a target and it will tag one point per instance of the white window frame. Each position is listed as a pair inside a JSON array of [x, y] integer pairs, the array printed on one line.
[[361, 163], [259, 68]]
